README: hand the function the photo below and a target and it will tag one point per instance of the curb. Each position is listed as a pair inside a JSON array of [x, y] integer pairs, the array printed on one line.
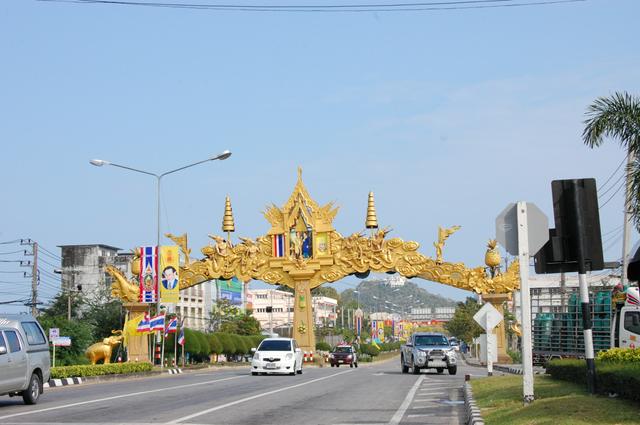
[[174, 371], [53, 383], [515, 371], [474, 417]]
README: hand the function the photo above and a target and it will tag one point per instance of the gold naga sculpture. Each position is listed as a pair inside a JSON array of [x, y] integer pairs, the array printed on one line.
[[302, 250]]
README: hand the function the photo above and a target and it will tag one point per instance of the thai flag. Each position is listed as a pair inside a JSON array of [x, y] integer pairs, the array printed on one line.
[[278, 245], [172, 327], [143, 326], [181, 337], [157, 323]]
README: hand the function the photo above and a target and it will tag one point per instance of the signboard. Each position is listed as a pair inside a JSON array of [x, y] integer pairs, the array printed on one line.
[[54, 333], [169, 279], [62, 341], [507, 229], [488, 317], [231, 290]]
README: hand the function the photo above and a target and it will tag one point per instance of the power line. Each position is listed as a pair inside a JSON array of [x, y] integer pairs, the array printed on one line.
[[22, 251], [50, 254], [601, 195], [348, 8], [11, 242], [614, 172], [612, 196]]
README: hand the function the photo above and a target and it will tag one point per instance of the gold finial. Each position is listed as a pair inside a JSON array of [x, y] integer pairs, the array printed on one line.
[[227, 221], [492, 256], [299, 173], [372, 219]]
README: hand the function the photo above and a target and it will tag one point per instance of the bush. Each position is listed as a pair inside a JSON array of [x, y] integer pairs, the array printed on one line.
[[516, 356], [228, 344], [323, 346], [369, 349], [191, 342], [620, 355], [203, 342], [612, 376], [215, 346], [99, 370]]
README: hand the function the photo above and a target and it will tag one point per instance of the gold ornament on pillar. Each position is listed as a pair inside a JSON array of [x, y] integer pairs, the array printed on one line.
[[372, 218], [227, 221], [492, 257]]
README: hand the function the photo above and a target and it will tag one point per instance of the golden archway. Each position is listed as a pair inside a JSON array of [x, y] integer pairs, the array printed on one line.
[[302, 250]]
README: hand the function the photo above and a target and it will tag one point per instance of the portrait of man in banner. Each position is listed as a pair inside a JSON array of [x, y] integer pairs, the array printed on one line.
[[169, 278]]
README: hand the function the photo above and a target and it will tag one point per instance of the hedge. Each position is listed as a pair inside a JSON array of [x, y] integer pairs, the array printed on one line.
[[622, 355], [323, 346], [612, 377], [99, 370]]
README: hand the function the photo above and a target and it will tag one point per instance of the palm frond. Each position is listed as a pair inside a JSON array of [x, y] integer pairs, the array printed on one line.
[[617, 116]]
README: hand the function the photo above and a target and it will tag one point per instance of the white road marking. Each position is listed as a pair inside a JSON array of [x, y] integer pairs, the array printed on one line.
[[397, 417], [98, 400], [426, 399], [420, 415], [253, 397]]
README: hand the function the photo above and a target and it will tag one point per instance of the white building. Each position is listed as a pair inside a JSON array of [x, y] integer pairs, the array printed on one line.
[[443, 314], [195, 306], [282, 304]]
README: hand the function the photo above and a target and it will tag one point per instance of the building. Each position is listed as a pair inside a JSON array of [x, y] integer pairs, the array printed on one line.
[[282, 303], [194, 306], [83, 268], [427, 314], [324, 311]]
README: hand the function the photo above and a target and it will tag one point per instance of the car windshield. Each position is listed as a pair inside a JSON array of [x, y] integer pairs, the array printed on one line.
[[275, 345], [342, 350], [431, 340]]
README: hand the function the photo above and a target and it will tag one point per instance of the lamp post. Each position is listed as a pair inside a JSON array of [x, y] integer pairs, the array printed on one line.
[[100, 162]]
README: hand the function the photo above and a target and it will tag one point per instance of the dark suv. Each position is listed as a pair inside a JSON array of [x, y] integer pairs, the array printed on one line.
[[343, 354]]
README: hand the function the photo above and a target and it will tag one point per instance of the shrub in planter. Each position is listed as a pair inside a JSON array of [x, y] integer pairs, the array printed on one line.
[[623, 355], [99, 370], [323, 346]]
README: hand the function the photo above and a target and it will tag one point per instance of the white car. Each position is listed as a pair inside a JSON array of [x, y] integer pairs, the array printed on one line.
[[277, 355]]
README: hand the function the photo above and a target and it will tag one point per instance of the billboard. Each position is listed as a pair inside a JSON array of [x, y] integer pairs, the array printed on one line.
[[231, 290]]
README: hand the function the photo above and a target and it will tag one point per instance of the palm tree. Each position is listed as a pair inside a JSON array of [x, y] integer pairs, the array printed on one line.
[[618, 117]]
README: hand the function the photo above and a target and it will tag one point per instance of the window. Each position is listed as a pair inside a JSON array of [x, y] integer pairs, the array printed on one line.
[[431, 340], [14, 342], [632, 321], [2, 343], [275, 345], [33, 332]]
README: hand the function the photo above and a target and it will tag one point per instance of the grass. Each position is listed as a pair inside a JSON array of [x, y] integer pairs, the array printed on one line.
[[557, 403]]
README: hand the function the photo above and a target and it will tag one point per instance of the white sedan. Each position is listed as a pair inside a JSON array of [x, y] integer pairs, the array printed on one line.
[[277, 355]]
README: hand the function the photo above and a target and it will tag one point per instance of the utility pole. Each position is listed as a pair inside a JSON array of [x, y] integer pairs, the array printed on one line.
[[626, 235], [34, 281]]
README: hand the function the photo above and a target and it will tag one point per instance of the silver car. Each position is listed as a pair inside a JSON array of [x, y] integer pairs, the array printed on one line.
[[24, 357]]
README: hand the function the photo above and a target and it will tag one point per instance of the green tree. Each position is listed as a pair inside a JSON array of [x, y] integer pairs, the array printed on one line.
[[191, 342], [104, 314], [215, 346], [618, 117], [462, 325], [80, 334]]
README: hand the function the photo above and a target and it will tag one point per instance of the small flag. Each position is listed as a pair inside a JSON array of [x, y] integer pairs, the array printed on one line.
[[157, 323], [181, 337], [278, 245], [172, 327], [144, 326]]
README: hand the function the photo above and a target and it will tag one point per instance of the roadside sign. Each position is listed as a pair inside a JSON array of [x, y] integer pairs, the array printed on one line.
[[54, 333], [488, 317], [62, 341], [507, 228]]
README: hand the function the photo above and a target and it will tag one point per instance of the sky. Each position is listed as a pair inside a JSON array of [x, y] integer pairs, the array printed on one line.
[[446, 115]]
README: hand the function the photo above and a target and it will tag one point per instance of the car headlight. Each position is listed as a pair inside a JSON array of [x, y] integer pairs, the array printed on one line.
[[330, 356], [289, 356], [256, 356], [422, 353], [349, 356]]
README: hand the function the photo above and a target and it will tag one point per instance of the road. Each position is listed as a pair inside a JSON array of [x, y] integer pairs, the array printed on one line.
[[371, 394]]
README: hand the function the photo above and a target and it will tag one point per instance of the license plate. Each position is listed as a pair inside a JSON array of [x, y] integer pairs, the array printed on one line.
[[340, 361], [270, 366], [437, 363]]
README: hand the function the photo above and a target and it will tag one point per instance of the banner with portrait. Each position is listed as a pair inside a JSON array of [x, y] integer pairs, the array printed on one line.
[[169, 274]]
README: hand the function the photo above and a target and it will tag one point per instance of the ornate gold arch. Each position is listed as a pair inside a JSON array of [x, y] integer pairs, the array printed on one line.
[[302, 250]]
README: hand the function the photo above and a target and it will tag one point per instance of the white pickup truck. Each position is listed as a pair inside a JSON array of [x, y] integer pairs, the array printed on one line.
[[427, 350], [24, 357]]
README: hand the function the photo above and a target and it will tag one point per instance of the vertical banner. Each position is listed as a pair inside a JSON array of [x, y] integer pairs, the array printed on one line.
[[170, 280], [148, 274]]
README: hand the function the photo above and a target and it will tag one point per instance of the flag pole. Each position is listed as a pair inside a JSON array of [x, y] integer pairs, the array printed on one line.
[[175, 349]]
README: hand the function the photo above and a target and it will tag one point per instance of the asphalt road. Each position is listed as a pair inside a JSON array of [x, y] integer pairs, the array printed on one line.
[[371, 394]]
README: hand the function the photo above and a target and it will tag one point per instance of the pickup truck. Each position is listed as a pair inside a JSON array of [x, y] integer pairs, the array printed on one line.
[[427, 350], [24, 357]]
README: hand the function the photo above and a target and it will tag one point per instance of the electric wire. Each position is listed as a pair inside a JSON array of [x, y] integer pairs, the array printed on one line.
[[614, 173], [612, 196], [349, 8], [11, 242], [601, 195], [613, 230], [49, 253], [14, 252]]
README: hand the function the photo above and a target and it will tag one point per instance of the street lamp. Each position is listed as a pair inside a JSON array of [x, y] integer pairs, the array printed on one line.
[[357, 292], [100, 162]]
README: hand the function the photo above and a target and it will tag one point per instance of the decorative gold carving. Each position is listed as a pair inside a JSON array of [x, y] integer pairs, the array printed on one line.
[[102, 350], [227, 221], [372, 219], [181, 241], [443, 235], [127, 291]]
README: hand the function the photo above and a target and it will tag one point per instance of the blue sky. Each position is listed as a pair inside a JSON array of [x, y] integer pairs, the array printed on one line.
[[447, 116]]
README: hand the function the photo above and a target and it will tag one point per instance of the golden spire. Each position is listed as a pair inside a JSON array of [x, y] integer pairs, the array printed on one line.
[[227, 221], [372, 219]]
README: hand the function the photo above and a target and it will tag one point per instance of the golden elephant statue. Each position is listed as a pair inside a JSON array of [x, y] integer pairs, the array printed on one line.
[[102, 350]]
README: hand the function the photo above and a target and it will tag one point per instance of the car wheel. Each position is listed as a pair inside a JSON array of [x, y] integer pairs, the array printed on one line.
[[293, 373], [300, 371], [440, 370], [32, 393], [453, 370], [356, 364], [337, 365], [332, 365], [405, 368], [351, 365], [415, 370]]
